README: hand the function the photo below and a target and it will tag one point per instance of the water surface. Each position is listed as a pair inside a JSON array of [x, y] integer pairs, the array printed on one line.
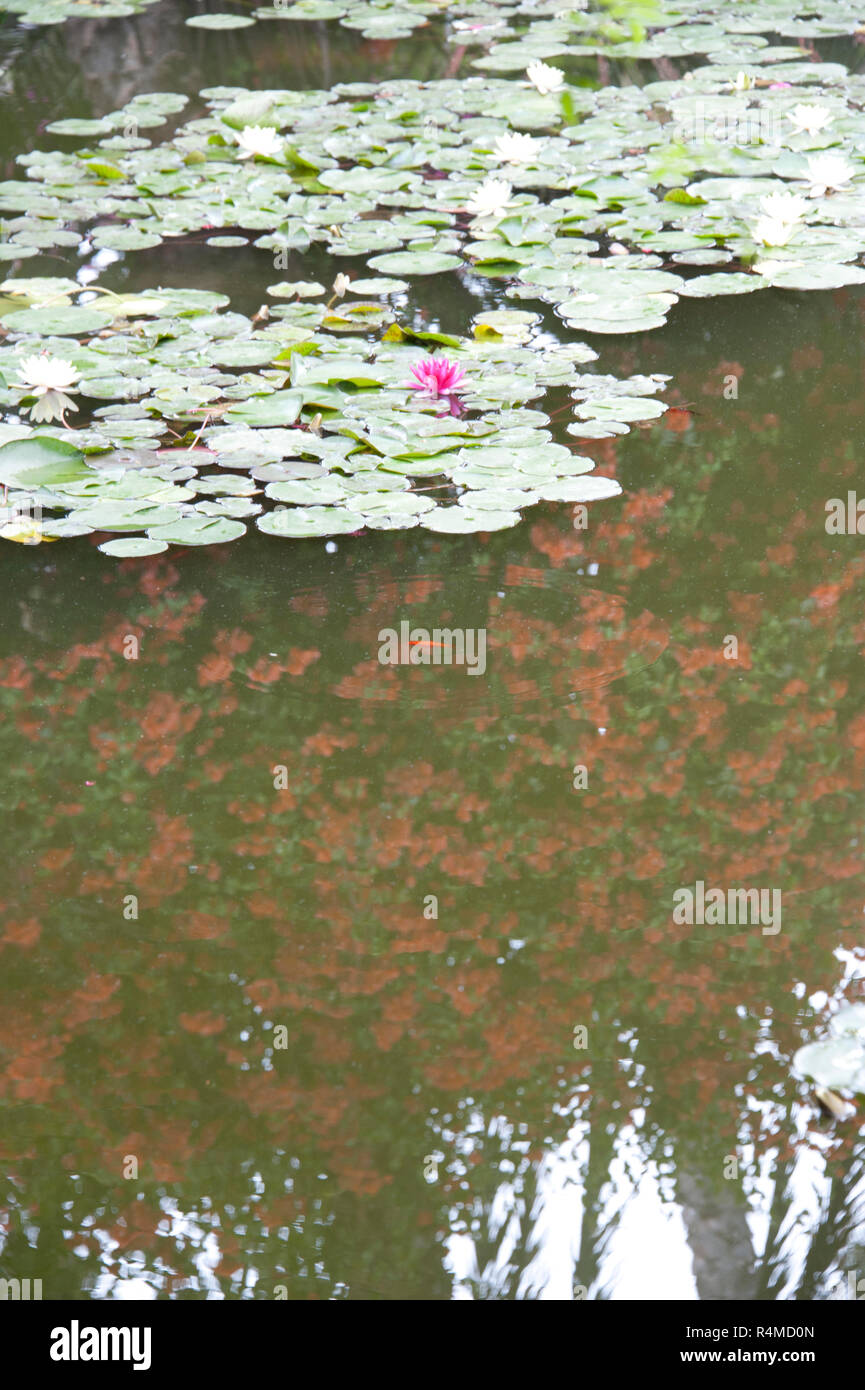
[[298, 947]]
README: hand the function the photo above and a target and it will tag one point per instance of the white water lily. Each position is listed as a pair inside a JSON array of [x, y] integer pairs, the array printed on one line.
[[544, 78], [808, 120], [48, 379], [744, 82], [491, 199], [828, 172], [341, 285], [45, 373], [774, 231], [516, 148], [261, 140], [785, 207]]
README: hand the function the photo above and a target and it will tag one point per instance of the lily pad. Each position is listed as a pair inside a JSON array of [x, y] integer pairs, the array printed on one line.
[[415, 262], [307, 522], [197, 530], [128, 546]]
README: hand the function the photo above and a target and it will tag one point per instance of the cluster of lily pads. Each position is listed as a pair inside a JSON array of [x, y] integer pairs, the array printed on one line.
[[201, 419], [609, 205], [544, 28]]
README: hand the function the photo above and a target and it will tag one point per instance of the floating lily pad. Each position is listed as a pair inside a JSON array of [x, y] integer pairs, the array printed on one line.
[[39, 461], [415, 262], [65, 320], [306, 522], [219, 21], [279, 408], [835, 1063], [129, 546], [465, 520], [197, 530]]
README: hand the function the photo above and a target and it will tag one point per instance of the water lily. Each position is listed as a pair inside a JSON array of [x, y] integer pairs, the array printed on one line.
[[828, 173], [43, 373], [48, 379], [516, 148], [786, 207], [491, 199], [544, 78], [259, 141], [774, 231], [436, 376], [341, 285], [744, 82], [808, 120]]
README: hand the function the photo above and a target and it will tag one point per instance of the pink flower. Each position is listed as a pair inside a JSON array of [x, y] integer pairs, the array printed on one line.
[[436, 376]]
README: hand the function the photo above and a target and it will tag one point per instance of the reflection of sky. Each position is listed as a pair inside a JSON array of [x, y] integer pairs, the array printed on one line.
[[131, 1279], [645, 1253]]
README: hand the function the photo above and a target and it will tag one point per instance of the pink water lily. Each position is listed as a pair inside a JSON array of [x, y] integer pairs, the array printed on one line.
[[436, 376]]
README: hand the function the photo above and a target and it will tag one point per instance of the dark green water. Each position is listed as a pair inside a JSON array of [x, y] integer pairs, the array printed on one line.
[[323, 1037]]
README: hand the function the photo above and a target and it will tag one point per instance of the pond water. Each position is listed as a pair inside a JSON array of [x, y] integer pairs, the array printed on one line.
[[329, 978]]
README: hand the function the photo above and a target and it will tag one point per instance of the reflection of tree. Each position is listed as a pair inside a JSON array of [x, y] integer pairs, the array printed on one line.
[[816, 1228], [719, 1237]]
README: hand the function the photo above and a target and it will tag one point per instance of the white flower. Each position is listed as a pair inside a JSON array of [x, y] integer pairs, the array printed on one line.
[[786, 207], [744, 82], [810, 119], [773, 231], [261, 140], [491, 199], [341, 285], [828, 171], [44, 373], [544, 78], [47, 378], [516, 148]]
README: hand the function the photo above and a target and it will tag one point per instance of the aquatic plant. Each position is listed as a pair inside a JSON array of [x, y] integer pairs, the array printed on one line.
[[259, 142], [48, 379], [436, 376]]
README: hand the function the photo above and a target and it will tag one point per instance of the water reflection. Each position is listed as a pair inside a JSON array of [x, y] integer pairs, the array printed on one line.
[[297, 947], [338, 1038]]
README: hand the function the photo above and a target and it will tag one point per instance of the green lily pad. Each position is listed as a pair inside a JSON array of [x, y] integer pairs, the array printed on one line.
[[128, 546], [465, 520], [197, 530], [415, 262], [321, 490], [61, 321], [835, 1063], [279, 408], [219, 21], [40, 461], [307, 522]]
